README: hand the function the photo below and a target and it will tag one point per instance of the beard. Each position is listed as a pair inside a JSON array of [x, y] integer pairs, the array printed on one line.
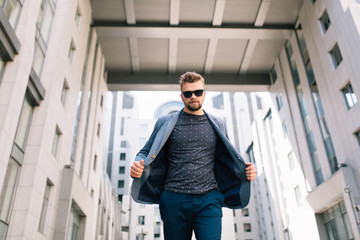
[[193, 106]]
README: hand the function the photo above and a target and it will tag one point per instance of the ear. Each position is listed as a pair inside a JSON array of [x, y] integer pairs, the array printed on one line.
[[182, 97]]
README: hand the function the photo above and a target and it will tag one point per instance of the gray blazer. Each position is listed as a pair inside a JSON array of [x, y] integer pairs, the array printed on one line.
[[229, 167]]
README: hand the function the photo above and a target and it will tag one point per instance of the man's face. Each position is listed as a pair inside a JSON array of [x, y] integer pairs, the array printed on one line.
[[193, 103]]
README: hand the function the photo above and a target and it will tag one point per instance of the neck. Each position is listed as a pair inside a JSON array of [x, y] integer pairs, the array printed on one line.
[[197, 112]]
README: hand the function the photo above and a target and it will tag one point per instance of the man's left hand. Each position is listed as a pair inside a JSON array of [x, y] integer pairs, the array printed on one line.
[[250, 171]]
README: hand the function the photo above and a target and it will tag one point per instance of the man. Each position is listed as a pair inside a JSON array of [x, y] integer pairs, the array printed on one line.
[[191, 169]]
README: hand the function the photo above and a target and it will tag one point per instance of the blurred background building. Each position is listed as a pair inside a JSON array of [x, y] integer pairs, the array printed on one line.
[[290, 79]]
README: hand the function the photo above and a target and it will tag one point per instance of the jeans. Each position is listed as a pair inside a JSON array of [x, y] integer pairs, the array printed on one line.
[[184, 213]]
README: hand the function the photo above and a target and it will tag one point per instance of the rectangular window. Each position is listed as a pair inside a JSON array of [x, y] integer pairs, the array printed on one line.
[[56, 141], [98, 130], [235, 227], [336, 55], [76, 223], [123, 144], [291, 160], [245, 212], [64, 92], [95, 162], [121, 184], [333, 218], [122, 156], [325, 21], [141, 220], [101, 100], [279, 101], [122, 126], [23, 127], [77, 16], [121, 170], [8, 190], [357, 135], [273, 75], [39, 58], [247, 227], [349, 96], [72, 49], [297, 195], [285, 129], [45, 208], [11, 9], [2, 67], [44, 20]]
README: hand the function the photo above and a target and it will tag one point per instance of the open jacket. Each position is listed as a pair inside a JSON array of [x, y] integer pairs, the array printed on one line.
[[229, 167]]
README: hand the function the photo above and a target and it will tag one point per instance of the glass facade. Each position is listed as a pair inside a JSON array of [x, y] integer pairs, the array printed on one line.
[[305, 117], [320, 114]]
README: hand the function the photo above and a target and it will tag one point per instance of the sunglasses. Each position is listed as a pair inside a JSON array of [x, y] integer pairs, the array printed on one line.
[[197, 93]]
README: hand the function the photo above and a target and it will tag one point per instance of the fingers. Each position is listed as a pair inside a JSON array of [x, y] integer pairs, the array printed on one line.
[[251, 172], [137, 169]]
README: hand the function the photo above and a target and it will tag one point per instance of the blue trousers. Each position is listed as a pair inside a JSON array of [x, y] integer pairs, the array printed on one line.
[[184, 213]]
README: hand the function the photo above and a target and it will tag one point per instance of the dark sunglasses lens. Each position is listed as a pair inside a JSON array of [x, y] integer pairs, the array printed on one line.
[[198, 93], [187, 94]]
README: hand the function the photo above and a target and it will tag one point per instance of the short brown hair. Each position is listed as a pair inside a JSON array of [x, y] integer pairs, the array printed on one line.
[[190, 77]]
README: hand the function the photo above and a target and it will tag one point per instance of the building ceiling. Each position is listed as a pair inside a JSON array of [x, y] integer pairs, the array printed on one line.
[[147, 44]]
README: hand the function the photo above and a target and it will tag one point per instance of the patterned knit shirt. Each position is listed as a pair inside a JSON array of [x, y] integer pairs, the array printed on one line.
[[190, 151]]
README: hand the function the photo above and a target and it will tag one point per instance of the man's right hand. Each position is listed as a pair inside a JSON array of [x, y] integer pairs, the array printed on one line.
[[137, 169]]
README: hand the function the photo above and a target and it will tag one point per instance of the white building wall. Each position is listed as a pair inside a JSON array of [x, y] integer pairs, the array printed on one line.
[[69, 184]]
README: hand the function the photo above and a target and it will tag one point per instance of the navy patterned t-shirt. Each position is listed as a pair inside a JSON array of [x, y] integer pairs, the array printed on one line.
[[190, 151]]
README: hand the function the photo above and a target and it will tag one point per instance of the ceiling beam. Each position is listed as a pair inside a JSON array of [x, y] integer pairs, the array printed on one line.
[[174, 12], [249, 52], [134, 54], [121, 81], [130, 12], [262, 13], [194, 32], [209, 62], [219, 12]]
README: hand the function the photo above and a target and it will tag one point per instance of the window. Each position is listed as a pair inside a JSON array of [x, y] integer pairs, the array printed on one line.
[[285, 129], [122, 126], [121, 170], [98, 130], [39, 58], [45, 208], [333, 218], [258, 102], [102, 101], [297, 195], [11, 9], [235, 227], [76, 223], [95, 162], [44, 20], [2, 67], [122, 156], [72, 49], [121, 184], [247, 227], [273, 75], [336, 55], [123, 144], [7, 192], [128, 101], [141, 220], [325, 21], [349, 95], [279, 101], [245, 212], [77, 16], [218, 101], [64, 93], [357, 134], [56, 140], [291, 161]]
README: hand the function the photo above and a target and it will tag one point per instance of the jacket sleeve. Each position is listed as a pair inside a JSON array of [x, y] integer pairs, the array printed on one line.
[[144, 152]]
